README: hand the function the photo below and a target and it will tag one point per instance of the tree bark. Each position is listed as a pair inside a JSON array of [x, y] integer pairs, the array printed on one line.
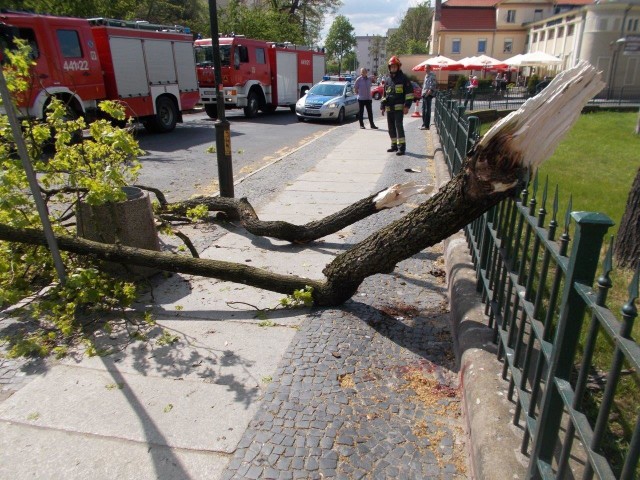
[[495, 169], [242, 209], [462, 200], [627, 245]]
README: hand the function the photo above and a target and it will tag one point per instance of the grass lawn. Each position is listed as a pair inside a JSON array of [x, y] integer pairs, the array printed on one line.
[[595, 163]]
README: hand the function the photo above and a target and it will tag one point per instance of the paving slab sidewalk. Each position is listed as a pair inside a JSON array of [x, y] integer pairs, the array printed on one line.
[[367, 389]]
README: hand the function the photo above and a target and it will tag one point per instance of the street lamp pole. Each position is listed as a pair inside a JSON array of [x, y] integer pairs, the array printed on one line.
[[223, 130]]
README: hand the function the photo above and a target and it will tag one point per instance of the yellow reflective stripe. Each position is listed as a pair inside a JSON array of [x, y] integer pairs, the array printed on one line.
[[399, 88], [401, 141], [399, 106], [388, 109], [409, 96]]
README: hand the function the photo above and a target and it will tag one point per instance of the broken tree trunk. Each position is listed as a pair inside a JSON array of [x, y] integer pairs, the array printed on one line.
[[494, 170]]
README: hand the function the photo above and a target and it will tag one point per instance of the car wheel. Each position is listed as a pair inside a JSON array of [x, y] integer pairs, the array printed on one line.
[[376, 96], [251, 110], [292, 108], [211, 109], [341, 116], [300, 119], [165, 118]]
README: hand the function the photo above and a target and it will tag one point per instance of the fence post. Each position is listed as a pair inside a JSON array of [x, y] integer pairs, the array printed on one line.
[[583, 261]]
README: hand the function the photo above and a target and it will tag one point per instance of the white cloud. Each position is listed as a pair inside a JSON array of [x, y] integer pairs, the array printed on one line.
[[370, 17]]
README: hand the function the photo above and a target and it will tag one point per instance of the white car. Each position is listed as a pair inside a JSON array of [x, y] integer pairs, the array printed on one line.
[[328, 100]]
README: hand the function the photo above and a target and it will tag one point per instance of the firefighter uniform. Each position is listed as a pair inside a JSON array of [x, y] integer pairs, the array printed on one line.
[[398, 94]]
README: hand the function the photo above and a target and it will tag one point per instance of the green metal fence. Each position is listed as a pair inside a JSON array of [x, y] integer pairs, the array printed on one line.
[[548, 321]]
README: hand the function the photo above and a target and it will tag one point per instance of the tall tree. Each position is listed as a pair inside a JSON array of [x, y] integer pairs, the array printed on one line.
[[340, 39], [261, 22], [412, 36], [627, 247]]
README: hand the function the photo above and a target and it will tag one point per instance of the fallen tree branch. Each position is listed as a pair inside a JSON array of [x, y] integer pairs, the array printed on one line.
[[242, 209], [497, 167]]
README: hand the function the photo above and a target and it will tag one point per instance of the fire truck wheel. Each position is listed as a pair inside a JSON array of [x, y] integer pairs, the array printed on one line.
[[251, 110], [211, 109], [341, 116], [166, 116]]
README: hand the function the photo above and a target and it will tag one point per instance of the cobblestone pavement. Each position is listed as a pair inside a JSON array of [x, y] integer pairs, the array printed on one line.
[[366, 390]]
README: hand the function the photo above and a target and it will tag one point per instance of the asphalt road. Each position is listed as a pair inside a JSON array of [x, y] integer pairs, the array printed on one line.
[[179, 164]]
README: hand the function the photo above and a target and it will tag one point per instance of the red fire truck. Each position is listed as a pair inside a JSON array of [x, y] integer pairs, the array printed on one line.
[[150, 69], [257, 75]]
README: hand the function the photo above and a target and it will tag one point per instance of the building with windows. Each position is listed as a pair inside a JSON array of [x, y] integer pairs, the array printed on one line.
[[371, 52], [604, 33]]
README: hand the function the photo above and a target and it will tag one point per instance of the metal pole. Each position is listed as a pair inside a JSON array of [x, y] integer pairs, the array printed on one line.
[[31, 176], [223, 130]]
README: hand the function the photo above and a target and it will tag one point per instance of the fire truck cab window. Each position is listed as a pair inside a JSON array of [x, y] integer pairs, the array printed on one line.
[[225, 55], [260, 56], [8, 37], [69, 43], [244, 53]]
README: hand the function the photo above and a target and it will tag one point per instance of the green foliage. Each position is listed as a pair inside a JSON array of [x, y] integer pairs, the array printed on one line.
[[167, 338], [340, 39], [259, 22], [198, 212], [266, 323], [93, 170], [299, 298], [413, 33]]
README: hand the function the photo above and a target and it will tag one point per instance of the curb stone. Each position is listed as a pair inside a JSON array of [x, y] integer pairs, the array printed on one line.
[[494, 441]]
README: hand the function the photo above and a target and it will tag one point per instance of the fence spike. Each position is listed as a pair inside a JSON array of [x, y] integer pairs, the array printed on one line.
[[555, 205], [567, 215], [543, 207], [604, 280], [633, 292]]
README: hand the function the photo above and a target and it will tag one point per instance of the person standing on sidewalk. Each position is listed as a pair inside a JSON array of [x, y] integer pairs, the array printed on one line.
[[429, 88], [397, 99], [470, 95], [362, 87]]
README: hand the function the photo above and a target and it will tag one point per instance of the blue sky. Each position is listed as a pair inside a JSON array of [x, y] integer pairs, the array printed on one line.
[[370, 17]]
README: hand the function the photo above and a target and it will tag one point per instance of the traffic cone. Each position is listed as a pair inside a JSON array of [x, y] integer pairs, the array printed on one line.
[[416, 113]]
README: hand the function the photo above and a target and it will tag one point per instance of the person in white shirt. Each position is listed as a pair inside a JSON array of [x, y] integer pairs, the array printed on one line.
[[362, 87]]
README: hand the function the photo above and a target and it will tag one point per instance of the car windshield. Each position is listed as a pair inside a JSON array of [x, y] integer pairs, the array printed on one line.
[[327, 90]]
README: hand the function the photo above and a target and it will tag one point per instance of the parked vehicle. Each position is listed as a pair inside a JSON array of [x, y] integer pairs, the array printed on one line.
[[257, 75], [377, 91], [328, 100], [149, 68]]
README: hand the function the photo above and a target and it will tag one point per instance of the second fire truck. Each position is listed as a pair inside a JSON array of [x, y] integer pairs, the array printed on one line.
[[257, 75]]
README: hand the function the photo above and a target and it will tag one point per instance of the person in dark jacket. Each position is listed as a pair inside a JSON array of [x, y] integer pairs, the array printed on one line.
[[397, 99]]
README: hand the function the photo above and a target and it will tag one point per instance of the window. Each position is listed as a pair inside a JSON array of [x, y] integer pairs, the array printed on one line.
[[482, 45], [603, 24], [69, 43], [542, 36], [508, 45], [537, 15], [511, 16], [535, 37], [560, 32], [260, 57], [552, 34], [455, 45], [571, 29]]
